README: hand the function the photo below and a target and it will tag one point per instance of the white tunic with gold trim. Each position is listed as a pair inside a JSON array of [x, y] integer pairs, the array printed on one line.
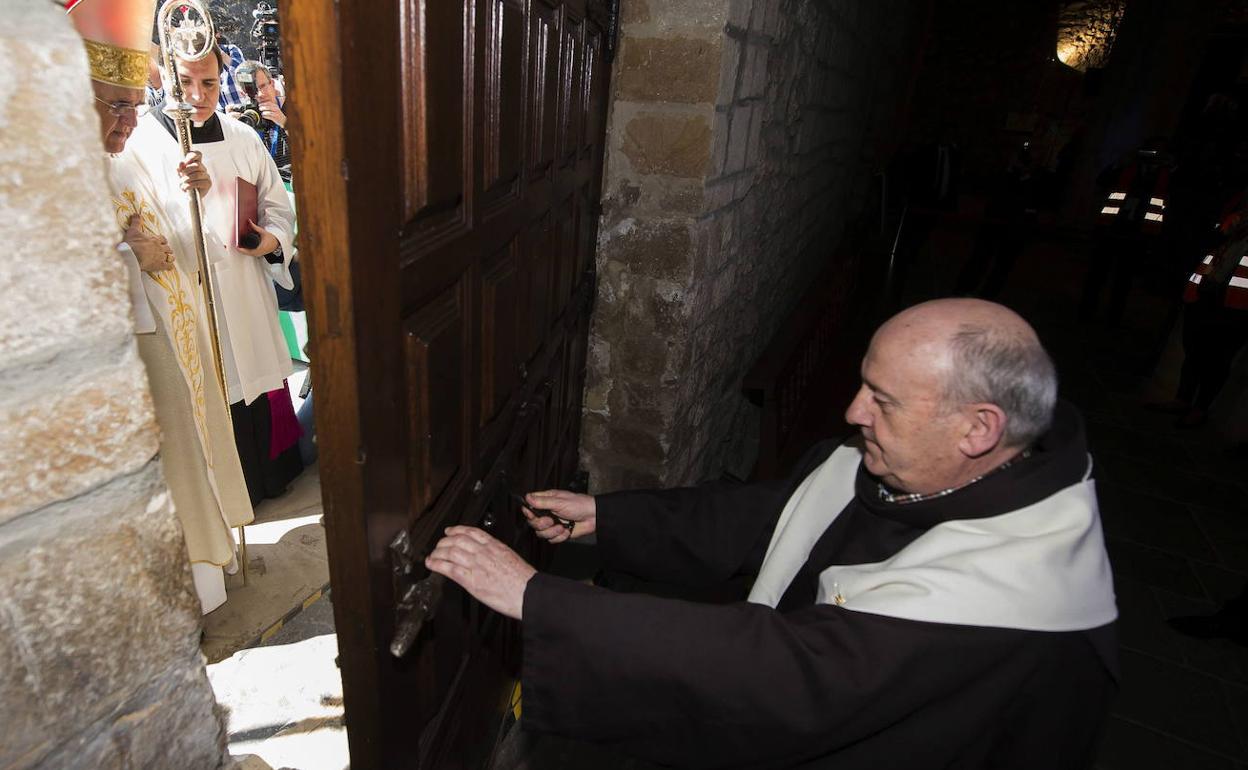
[[197, 443]]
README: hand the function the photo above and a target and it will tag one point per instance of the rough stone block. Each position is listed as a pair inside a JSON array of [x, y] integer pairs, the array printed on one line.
[[719, 147], [753, 79], [688, 17], [684, 70], [666, 143], [160, 725], [719, 194], [53, 198], [754, 141], [729, 63], [657, 249], [641, 354], [97, 606], [739, 13], [638, 442], [95, 425], [738, 138], [634, 12], [677, 196], [643, 403]]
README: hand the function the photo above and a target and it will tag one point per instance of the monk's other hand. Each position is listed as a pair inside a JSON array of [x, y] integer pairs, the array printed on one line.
[[493, 573], [579, 510]]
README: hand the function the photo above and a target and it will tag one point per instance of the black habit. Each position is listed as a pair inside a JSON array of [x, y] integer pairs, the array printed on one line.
[[806, 685]]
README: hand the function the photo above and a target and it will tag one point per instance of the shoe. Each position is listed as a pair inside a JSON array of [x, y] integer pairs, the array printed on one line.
[[1219, 625], [1173, 406]]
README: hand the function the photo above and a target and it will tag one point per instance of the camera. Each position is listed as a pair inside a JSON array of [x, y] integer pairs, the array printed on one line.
[[249, 110], [267, 32]]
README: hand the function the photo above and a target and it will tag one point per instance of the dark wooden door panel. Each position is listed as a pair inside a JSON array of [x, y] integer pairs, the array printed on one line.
[[438, 349], [502, 300], [501, 52], [435, 112], [572, 77], [448, 239], [543, 100]]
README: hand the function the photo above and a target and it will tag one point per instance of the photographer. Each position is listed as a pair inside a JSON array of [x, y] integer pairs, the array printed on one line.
[[260, 110]]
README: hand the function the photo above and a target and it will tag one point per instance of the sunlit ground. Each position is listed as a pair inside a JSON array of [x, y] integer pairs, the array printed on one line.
[[285, 703]]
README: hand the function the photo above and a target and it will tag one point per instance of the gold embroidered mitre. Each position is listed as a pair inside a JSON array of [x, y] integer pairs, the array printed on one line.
[[117, 34]]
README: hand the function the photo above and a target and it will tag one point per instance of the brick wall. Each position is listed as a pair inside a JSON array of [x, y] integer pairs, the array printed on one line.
[[99, 625], [742, 137]]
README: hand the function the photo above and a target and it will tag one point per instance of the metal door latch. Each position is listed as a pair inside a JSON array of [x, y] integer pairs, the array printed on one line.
[[417, 599]]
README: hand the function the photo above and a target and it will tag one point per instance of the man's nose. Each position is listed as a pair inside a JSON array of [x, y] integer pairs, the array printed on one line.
[[857, 413], [128, 118]]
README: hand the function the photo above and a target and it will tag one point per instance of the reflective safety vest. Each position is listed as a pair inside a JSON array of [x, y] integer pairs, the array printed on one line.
[[1120, 198], [1236, 288]]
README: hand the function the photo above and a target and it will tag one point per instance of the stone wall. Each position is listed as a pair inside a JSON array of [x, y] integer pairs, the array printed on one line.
[[742, 136], [99, 624]]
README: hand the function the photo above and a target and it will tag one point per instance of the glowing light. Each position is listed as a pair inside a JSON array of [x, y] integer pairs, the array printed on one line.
[[1086, 31], [1110, 210]]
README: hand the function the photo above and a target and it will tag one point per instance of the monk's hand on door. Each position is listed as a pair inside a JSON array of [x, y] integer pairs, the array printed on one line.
[[578, 510], [494, 574]]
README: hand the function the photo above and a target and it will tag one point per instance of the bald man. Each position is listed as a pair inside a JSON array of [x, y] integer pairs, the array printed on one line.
[[932, 593]]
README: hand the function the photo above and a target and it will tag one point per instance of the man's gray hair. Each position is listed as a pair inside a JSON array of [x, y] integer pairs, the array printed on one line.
[[1007, 369], [249, 69]]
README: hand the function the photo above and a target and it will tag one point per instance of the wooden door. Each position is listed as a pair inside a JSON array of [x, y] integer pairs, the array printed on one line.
[[448, 163]]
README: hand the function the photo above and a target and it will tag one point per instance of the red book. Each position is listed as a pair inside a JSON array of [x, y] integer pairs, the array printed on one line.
[[246, 211]]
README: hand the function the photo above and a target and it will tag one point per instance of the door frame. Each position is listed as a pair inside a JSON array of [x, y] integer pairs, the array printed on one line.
[[348, 260]]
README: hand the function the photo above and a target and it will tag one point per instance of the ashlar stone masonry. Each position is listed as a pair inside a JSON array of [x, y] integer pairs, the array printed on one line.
[[99, 625], [742, 136]]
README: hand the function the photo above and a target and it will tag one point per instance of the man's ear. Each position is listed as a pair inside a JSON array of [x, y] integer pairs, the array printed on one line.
[[985, 429]]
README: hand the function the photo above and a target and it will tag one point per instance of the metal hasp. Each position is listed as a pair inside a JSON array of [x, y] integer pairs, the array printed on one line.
[[417, 599]]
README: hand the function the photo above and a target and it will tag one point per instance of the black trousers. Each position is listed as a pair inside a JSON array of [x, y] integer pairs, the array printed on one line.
[[252, 431], [1212, 335]]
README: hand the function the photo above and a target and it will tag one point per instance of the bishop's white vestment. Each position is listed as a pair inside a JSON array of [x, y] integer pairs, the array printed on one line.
[[197, 448]]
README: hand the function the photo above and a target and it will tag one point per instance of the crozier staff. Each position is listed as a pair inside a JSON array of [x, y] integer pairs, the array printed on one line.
[[934, 593]]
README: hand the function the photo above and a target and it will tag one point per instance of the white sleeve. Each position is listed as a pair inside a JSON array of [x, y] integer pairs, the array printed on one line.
[[276, 215], [144, 320]]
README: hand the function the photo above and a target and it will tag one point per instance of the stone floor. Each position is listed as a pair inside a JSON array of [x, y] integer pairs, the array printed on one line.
[[272, 649], [288, 570], [284, 697]]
